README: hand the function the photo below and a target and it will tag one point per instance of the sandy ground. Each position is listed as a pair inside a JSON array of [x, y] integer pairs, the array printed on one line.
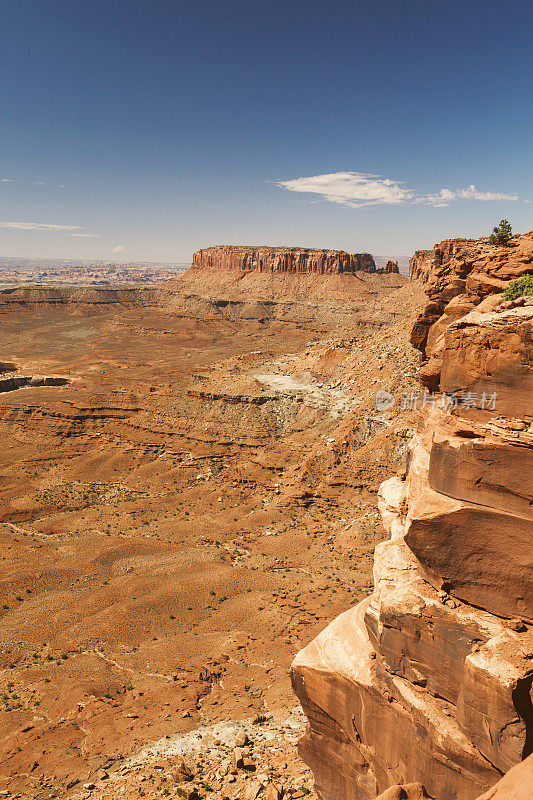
[[176, 523]]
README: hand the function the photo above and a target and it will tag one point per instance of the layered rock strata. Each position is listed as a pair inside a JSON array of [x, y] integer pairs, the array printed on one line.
[[460, 274], [286, 260], [76, 297], [429, 679]]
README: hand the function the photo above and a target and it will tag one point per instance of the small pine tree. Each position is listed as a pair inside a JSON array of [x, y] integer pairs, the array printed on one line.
[[522, 287], [501, 233]]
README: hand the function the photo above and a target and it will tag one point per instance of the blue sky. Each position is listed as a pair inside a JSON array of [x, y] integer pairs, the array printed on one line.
[[145, 129]]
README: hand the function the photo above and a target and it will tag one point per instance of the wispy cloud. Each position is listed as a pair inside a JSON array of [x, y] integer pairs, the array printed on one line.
[[38, 226], [350, 188], [447, 196], [85, 235], [119, 248], [6, 180], [355, 189]]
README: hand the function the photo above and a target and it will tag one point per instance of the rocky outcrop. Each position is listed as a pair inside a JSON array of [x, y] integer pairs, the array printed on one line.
[[515, 785], [298, 260], [429, 680], [455, 260], [19, 381], [390, 267], [459, 274], [7, 366], [420, 265]]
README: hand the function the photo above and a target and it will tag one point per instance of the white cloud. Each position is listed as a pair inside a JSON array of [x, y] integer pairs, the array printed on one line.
[[354, 189], [38, 226], [119, 248], [446, 196], [351, 188], [84, 235], [6, 180]]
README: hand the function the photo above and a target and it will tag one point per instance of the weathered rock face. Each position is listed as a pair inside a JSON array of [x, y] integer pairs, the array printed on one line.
[[430, 679], [420, 264], [286, 259], [515, 785], [469, 269]]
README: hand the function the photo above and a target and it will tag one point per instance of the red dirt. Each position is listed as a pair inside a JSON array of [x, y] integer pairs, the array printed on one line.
[[193, 508]]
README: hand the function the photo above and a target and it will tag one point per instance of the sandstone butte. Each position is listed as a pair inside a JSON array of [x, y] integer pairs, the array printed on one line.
[[425, 687], [282, 275], [300, 260]]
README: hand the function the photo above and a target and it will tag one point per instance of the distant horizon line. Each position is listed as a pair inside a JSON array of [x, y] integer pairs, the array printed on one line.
[[95, 260], [183, 263]]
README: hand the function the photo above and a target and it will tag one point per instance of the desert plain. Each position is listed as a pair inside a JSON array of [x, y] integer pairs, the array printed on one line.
[[190, 508]]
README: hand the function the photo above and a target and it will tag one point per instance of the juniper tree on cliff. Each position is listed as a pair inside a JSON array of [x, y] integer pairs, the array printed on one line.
[[501, 233]]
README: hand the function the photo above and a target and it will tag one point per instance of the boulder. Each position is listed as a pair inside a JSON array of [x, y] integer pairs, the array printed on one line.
[[485, 470], [364, 721], [492, 354], [482, 555]]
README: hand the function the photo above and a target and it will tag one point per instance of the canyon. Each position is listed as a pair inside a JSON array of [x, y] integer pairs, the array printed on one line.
[[193, 505], [190, 507]]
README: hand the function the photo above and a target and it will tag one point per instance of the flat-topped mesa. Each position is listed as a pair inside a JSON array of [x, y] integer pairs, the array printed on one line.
[[297, 260]]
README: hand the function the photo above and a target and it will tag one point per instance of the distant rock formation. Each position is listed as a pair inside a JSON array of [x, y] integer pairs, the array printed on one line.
[[75, 297], [390, 267], [296, 260], [429, 679]]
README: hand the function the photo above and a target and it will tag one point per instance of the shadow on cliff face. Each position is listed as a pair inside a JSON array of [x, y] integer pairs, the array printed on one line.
[[524, 708]]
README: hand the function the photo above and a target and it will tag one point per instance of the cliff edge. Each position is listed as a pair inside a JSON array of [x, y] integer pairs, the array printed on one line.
[[429, 680]]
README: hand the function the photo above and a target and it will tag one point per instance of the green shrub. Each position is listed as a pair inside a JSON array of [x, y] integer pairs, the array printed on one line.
[[523, 287], [501, 233]]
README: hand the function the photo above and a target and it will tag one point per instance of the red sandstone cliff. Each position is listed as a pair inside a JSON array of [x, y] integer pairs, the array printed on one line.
[[430, 678], [459, 274], [290, 280], [299, 260]]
